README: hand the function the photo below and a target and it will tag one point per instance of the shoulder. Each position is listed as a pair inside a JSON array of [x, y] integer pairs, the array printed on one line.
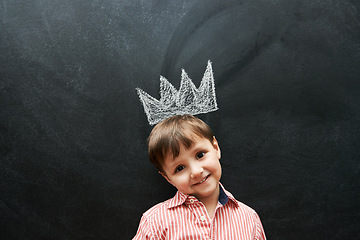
[[245, 208], [240, 207], [166, 208], [157, 209], [152, 222], [247, 216]]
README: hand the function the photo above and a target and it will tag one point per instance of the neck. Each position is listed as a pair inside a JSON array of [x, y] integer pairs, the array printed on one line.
[[211, 202]]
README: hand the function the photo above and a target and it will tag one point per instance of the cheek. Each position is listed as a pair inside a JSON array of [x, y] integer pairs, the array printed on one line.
[[213, 166], [180, 180], [215, 162], [217, 166]]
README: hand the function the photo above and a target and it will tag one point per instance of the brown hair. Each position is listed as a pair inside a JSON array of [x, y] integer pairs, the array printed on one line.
[[168, 135]]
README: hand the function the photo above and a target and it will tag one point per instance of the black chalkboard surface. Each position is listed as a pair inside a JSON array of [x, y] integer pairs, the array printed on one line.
[[73, 158]]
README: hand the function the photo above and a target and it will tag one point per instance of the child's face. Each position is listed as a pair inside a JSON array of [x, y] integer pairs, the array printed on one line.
[[197, 170]]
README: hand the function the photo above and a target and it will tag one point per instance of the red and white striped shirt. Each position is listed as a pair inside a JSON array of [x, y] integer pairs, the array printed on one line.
[[185, 217]]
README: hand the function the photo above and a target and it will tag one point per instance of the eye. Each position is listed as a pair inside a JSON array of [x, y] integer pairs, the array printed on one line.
[[179, 168], [200, 155]]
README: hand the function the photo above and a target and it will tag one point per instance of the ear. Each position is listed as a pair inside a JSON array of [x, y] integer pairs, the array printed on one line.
[[165, 176], [217, 147]]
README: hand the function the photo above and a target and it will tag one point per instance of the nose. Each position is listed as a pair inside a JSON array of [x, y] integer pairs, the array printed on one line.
[[196, 170]]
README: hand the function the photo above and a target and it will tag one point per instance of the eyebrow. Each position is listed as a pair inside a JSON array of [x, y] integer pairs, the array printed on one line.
[[198, 147], [193, 149]]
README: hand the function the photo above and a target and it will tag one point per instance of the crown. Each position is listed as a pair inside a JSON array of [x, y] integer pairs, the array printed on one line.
[[187, 100]]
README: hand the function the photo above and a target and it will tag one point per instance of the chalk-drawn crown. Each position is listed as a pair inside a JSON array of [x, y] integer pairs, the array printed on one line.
[[187, 100]]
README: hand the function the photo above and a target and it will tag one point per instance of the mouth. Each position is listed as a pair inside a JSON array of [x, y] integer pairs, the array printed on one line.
[[204, 179]]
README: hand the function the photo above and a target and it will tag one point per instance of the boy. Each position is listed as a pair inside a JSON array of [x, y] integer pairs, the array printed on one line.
[[186, 153]]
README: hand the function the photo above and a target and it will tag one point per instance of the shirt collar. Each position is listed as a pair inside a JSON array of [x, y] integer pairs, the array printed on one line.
[[228, 195], [181, 198], [223, 198]]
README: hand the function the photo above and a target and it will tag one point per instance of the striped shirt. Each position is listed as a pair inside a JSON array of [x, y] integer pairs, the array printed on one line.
[[185, 217]]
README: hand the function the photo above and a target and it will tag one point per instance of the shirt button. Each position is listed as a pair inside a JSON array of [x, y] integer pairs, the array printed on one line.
[[192, 201], [202, 218]]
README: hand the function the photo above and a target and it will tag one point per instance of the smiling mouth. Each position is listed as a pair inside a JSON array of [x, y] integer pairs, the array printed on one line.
[[202, 180]]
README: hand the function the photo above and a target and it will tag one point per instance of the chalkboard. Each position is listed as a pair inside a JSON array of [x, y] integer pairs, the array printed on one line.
[[73, 152]]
